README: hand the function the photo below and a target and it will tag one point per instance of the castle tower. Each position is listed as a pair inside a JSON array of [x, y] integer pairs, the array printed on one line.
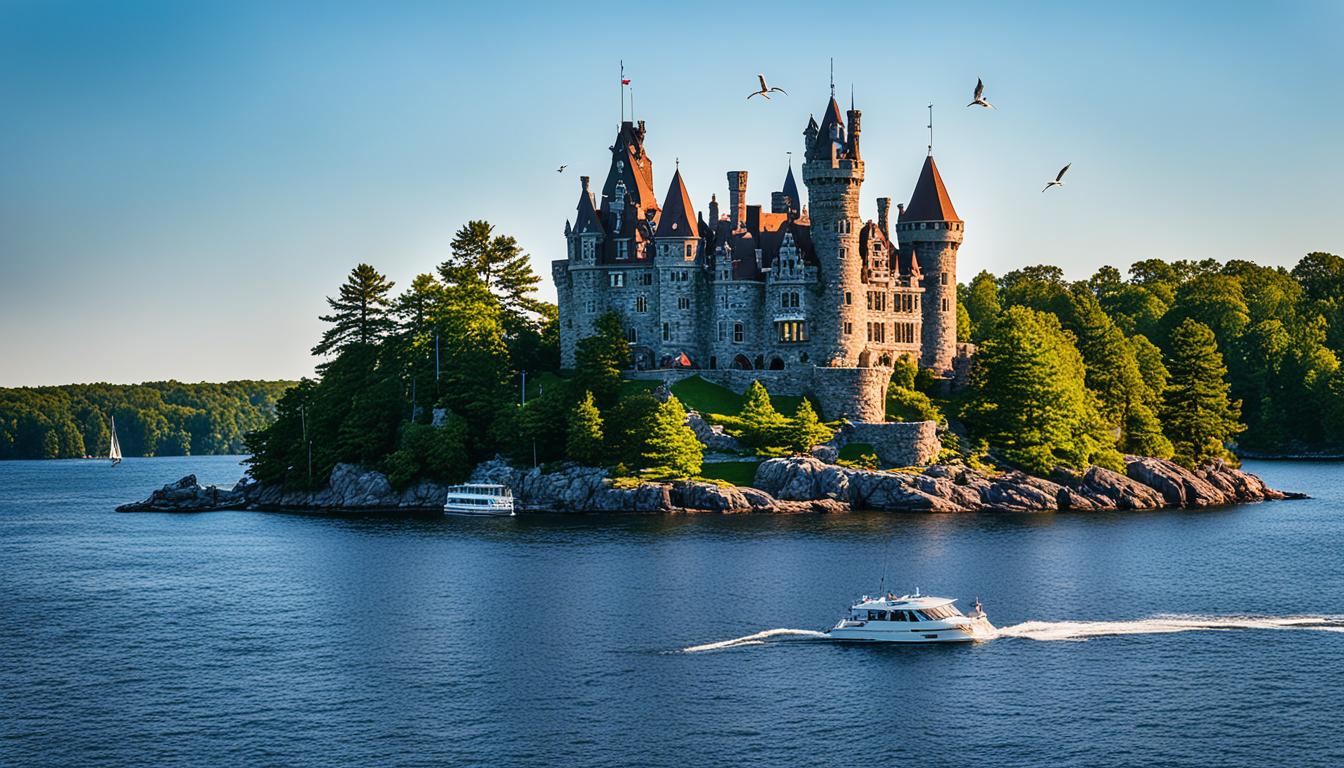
[[929, 227], [833, 173], [676, 254]]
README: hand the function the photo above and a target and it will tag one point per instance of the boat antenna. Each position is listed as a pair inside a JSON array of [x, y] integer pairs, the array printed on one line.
[[886, 549]]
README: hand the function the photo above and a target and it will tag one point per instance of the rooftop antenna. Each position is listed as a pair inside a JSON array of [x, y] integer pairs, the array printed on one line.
[[790, 154], [930, 130], [832, 77]]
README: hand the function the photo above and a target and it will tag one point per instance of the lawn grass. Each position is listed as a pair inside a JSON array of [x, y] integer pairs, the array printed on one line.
[[707, 397], [735, 472], [637, 386], [854, 451]]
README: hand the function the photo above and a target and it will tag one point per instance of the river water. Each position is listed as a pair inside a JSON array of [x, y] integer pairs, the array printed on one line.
[[1174, 638]]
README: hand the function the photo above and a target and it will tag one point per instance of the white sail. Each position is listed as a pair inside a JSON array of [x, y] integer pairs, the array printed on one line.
[[114, 450]]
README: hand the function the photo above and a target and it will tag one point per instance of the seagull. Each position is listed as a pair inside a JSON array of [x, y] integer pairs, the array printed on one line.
[[979, 99], [765, 89], [1059, 180], [561, 169]]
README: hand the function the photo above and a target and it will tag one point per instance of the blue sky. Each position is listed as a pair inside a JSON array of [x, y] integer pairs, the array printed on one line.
[[182, 183]]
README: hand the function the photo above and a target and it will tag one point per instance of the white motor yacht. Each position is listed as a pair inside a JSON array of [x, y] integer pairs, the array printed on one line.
[[479, 499], [911, 619]]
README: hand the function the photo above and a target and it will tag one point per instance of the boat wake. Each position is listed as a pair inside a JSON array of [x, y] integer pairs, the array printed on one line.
[[1165, 624], [757, 639]]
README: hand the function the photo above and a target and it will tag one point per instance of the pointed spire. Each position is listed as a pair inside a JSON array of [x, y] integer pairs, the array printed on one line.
[[790, 191], [587, 219], [676, 219], [930, 201], [832, 129]]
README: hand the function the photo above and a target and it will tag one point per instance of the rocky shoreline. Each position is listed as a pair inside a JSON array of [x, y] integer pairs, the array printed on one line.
[[788, 485]]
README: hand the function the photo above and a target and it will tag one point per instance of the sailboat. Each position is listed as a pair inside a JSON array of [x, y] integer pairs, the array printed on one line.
[[114, 450]]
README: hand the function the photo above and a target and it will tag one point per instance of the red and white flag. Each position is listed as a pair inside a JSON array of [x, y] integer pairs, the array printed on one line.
[[625, 81]]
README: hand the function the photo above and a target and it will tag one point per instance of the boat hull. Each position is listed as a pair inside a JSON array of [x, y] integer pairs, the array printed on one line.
[[478, 512], [900, 632]]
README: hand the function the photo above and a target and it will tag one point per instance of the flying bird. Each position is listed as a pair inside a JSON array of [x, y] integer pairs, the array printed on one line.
[[561, 169], [766, 90], [979, 99], [1059, 180]]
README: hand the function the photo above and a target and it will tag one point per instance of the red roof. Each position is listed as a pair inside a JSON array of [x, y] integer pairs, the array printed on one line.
[[930, 201]]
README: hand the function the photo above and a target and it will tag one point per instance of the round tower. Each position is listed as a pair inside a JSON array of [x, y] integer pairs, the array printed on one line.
[[930, 228], [833, 173]]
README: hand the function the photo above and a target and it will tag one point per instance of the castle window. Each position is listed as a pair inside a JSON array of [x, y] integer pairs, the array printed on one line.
[[690, 251], [588, 249], [723, 331], [683, 302], [942, 278], [685, 275], [622, 249], [791, 331], [667, 332], [632, 335], [617, 279], [641, 304], [723, 301], [592, 306], [849, 298], [793, 299], [646, 278], [738, 333], [944, 305]]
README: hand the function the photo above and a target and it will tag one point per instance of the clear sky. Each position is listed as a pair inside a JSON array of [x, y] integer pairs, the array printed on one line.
[[182, 183]]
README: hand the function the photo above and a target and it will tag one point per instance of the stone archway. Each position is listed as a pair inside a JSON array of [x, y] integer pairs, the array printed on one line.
[[742, 363], [776, 363], [865, 359]]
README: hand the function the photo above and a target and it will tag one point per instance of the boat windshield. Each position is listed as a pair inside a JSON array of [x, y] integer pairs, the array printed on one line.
[[941, 612]]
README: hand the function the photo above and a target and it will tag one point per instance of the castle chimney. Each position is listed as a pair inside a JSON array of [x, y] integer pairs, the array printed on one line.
[[753, 220], [737, 197], [900, 211], [714, 209], [883, 206]]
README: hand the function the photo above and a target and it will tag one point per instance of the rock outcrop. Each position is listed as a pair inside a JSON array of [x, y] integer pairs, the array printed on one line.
[[1148, 484], [187, 495], [790, 485]]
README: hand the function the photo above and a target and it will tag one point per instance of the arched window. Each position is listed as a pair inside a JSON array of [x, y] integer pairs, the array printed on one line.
[[641, 304]]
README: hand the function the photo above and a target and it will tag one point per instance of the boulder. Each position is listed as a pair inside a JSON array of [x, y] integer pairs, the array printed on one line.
[[1121, 491], [187, 495], [1178, 485], [802, 478], [711, 436]]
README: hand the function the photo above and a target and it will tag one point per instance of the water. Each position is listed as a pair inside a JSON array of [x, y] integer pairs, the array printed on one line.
[[239, 638]]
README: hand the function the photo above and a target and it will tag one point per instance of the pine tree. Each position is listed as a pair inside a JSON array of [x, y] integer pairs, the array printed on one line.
[[805, 430], [599, 359], [1029, 399], [497, 261], [761, 425], [673, 450], [585, 432], [360, 312], [1197, 414]]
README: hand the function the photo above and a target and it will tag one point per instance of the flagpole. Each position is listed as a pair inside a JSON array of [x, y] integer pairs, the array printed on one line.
[[622, 91]]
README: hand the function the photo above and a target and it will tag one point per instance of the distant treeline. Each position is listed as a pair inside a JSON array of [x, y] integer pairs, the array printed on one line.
[[161, 418]]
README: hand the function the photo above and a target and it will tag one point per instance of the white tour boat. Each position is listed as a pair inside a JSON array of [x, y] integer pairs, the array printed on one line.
[[911, 619], [479, 499]]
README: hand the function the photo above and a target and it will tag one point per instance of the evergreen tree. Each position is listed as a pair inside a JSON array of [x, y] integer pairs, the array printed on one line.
[[628, 428], [1029, 399], [759, 425], [805, 430], [359, 312], [496, 261], [1197, 415], [673, 450], [585, 432], [600, 358]]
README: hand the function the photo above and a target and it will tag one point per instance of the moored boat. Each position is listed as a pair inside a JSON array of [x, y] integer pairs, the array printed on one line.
[[911, 619], [479, 499]]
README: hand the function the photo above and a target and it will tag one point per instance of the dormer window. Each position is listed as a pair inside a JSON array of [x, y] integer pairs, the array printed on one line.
[[690, 251], [622, 249], [588, 249]]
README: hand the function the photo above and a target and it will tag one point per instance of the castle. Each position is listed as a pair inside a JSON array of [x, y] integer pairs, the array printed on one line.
[[808, 298]]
